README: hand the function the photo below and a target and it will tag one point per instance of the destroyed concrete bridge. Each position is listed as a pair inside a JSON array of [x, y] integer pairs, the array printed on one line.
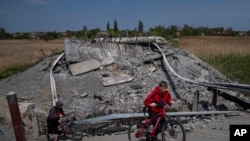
[[117, 62], [110, 78], [82, 58]]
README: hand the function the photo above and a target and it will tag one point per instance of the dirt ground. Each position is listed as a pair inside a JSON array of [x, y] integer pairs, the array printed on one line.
[[215, 130]]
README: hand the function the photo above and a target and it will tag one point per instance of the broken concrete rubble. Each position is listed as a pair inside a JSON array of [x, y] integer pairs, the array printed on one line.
[[142, 65], [133, 40], [108, 81], [89, 65], [84, 67]]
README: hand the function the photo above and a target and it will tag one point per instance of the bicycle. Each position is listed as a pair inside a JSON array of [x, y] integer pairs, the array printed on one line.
[[69, 129], [171, 130]]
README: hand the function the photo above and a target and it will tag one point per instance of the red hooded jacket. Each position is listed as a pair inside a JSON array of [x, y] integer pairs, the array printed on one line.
[[156, 97]]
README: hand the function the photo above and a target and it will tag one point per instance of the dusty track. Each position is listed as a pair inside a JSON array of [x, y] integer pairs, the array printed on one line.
[[214, 130]]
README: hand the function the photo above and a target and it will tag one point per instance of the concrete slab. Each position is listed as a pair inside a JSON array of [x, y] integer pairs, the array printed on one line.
[[151, 68], [108, 81], [84, 67], [71, 50], [107, 61], [25, 107]]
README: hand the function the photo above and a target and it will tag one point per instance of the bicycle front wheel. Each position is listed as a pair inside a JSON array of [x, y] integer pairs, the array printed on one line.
[[75, 132], [136, 132], [173, 130]]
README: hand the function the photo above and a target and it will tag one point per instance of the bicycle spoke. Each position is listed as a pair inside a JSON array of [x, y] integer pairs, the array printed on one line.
[[75, 132], [173, 131], [136, 133]]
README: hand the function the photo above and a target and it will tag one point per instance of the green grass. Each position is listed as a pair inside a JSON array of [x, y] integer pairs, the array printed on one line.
[[174, 42], [12, 71], [235, 66], [17, 69]]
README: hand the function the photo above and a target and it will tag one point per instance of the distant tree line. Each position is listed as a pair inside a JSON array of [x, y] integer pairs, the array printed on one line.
[[169, 32]]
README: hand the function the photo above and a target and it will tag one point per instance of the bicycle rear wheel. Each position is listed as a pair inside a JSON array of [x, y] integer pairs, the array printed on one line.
[[75, 132], [136, 132], [173, 130]]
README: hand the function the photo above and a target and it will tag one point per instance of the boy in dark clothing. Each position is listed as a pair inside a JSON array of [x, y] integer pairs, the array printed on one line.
[[156, 100], [53, 119]]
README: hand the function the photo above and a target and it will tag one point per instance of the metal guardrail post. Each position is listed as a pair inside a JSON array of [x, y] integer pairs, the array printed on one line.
[[15, 116], [196, 101], [215, 95]]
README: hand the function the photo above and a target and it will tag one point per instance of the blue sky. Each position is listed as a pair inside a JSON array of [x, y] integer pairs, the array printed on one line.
[[62, 15]]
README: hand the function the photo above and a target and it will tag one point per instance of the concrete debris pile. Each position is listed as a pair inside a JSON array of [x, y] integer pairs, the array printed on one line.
[[115, 78]]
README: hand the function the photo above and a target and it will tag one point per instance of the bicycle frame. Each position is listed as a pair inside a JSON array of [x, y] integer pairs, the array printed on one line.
[[160, 116], [171, 129], [64, 126]]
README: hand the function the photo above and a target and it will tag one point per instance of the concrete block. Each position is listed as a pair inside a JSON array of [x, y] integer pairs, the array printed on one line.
[[151, 68], [107, 61], [108, 81], [71, 50], [26, 109], [84, 67]]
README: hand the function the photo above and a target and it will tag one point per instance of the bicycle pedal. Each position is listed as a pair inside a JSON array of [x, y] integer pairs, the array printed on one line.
[[155, 139], [148, 137], [64, 138]]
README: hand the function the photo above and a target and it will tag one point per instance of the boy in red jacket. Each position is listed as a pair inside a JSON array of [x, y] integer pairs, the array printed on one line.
[[156, 100]]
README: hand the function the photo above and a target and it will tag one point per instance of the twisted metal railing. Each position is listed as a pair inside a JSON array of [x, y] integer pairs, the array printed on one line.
[[52, 81], [228, 86]]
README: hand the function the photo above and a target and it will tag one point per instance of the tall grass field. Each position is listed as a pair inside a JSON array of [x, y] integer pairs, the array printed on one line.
[[229, 55], [18, 55]]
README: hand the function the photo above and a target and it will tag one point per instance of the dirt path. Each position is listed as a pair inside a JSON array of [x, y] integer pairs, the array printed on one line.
[[214, 130]]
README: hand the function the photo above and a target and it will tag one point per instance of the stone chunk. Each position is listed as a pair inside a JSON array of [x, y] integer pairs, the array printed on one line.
[[108, 81], [107, 61], [151, 68], [71, 50], [84, 67], [84, 95]]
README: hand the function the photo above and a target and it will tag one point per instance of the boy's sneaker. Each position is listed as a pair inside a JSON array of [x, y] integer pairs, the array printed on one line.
[[155, 139], [148, 136]]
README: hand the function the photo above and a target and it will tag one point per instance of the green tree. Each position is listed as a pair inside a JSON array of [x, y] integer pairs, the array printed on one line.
[[3, 33], [79, 34], [187, 30], [108, 26], [91, 33], [49, 36], [84, 31], [230, 31], [85, 28], [140, 26], [158, 31], [115, 26], [173, 30]]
